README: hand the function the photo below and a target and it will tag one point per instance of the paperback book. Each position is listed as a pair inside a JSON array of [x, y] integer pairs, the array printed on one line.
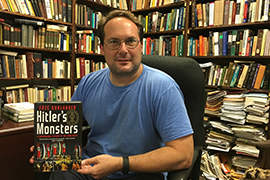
[[58, 136]]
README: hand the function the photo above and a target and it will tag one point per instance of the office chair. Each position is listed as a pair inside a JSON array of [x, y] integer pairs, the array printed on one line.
[[189, 76]]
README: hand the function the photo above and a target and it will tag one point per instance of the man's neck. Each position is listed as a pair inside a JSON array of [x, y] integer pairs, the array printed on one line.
[[126, 80]]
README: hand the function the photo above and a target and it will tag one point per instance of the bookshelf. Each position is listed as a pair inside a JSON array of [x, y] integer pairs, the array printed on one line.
[[203, 48], [67, 54]]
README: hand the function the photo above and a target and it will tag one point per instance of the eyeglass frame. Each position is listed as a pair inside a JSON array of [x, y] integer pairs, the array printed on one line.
[[120, 42]]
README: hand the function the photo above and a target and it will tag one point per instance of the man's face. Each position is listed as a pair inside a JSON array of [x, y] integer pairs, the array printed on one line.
[[122, 61]]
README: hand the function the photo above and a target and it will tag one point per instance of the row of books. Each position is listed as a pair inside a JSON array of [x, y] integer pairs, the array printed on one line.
[[24, 93], [86, 16], [157, 21], [86, 66], [239, 74], [53, 37], [227, 12], [164, 45], [22, 66], [241, 42], [86, 41], [141, 4], [51, 9]]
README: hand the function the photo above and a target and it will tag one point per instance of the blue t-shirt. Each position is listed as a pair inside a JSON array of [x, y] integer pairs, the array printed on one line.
[[132, 119]]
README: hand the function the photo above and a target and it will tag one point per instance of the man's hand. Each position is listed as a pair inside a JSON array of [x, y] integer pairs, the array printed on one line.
[[31, 160], [101, 166]]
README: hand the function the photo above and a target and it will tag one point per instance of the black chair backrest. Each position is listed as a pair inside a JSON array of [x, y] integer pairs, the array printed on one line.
[[189, 76]]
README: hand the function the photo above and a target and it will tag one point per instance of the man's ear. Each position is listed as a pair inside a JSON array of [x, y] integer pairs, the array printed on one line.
[[101, 49]]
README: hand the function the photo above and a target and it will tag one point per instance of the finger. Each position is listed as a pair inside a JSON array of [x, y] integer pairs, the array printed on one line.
[[89, 161], [32, 148], [31, 160], [85, 169]]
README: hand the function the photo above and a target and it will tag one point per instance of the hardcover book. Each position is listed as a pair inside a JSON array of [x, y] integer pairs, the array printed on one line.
[[57, 136]]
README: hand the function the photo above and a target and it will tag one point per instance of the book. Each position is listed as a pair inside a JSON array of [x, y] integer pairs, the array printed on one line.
[[20, 108], [259, 77], [259, 42], [266, 77], [28, 22], [235, 75], [243, 76], [37, 66], [57, 136], [30, 64]]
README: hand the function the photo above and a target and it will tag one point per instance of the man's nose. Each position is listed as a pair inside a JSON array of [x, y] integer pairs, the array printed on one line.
[[123, 46]]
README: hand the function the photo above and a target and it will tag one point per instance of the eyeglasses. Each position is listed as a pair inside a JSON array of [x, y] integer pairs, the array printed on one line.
[[114, 44]]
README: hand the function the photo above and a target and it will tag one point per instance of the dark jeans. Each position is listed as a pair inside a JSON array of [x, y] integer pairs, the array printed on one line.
[[73, 175]]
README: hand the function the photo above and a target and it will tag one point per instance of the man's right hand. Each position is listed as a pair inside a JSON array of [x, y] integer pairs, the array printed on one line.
[[31, 160]]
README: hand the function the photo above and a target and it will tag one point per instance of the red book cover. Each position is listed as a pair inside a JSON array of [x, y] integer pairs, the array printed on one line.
[[84, 43], [148, 45], [29, 64], [82, 66], [234, 12], [57, 136], [25, 95], [248, 46]]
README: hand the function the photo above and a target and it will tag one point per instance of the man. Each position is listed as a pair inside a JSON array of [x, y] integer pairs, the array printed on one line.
[[139, 124]]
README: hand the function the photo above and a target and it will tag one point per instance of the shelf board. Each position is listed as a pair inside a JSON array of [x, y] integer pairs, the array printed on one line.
[[33, 49], [237, 89], [19, 15]]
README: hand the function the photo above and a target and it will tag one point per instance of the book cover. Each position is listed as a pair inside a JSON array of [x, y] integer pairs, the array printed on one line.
[[37, 65], [199, 14], [260, 76], [57, 136], [235, 75], [266, 77]]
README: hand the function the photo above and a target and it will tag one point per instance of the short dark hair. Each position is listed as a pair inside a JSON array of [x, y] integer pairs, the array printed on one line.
[[115, 14]]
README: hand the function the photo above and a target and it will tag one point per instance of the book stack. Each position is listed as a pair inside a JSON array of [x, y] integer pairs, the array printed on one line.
[[233, 109], [19, 112], [257, 107], [241, 123], [220, 137], [214, 102], [246, 155], [212, 166]]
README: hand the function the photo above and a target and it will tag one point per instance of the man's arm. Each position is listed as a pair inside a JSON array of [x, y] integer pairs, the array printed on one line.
[[176, 154]]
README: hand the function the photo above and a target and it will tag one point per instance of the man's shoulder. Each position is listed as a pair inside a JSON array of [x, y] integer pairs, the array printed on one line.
[[157, 75]]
